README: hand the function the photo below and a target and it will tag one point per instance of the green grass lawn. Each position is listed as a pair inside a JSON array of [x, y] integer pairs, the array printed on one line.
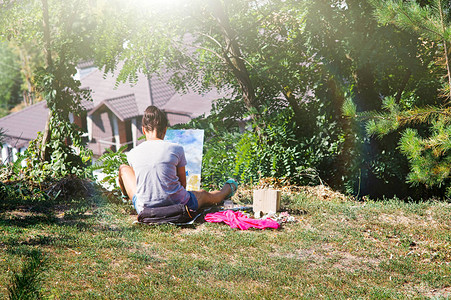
[[338, 249]]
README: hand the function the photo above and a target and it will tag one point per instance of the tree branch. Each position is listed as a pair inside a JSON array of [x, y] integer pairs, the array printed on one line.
[[212, 38], [419, 25], [445, 48], [403, 86], [47, 40]]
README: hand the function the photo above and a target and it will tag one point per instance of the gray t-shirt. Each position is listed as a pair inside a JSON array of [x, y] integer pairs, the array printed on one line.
[[155, 164]]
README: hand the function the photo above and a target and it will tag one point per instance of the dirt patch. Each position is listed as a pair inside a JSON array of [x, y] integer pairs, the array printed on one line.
[[426, 291], [331, 257], [396, 219], [321, 192], [301, 254], [435, 293], [325, 193], [23, 214], [348, 262], [412, 221]]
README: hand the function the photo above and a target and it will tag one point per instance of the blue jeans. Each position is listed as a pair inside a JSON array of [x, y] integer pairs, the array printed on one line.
[[134, 204], [192, 202]]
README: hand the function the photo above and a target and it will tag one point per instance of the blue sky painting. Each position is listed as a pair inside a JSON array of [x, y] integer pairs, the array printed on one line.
[[193, 142]]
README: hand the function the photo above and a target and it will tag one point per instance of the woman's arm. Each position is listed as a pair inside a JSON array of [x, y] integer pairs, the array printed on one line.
[[182, 176]]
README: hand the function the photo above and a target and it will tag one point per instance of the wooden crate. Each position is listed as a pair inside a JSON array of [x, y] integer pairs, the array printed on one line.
[[266, 201]]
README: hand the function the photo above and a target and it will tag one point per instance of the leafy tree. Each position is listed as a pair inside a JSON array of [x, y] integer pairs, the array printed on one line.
[[31, 58], [10, 80], [411, 108], [62, 29], [254, 50], [362, 62]]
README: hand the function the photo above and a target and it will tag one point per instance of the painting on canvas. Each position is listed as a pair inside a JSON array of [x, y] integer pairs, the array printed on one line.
[[193, 143]]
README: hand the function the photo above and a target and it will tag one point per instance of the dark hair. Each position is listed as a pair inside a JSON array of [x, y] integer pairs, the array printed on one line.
[[155, 119]]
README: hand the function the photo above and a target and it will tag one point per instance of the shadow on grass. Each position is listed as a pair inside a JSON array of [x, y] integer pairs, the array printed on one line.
[[25, 220], [16, 246], [25, 283], [30, 213], [25, 203], [7, 204]]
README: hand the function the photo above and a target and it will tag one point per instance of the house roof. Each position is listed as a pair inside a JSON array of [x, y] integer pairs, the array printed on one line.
[[123, 107], [191, 103], [147, 90], [86, 64], [161, 90], [125, 100], [22, 126], [104, 87]]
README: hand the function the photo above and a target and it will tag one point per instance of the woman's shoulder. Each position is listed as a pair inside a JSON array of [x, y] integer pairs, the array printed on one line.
[[174, 146], [155, 145]]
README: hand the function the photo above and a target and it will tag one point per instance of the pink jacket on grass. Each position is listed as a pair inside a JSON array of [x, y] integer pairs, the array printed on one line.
[[237, 220]]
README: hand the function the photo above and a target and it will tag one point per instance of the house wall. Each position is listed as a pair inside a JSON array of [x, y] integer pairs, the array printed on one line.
[[10, 153], [6, 153], [80, 121], [108, 131], [102, 132], [125, 132], [139, 130]]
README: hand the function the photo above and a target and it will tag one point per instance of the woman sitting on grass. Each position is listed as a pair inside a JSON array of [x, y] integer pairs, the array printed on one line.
[[156, 174]]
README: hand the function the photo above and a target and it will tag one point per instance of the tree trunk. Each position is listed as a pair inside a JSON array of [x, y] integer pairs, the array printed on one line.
[[28, 95], [45, 153], [445, 46], [298, 113], [345, 158], [46, 27], [403, 86], [447, 69], [47, 38], [365, 92], [232, 56]]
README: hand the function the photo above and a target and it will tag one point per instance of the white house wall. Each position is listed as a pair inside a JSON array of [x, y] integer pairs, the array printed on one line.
[[11, 154], [5, 158], [134, 132]]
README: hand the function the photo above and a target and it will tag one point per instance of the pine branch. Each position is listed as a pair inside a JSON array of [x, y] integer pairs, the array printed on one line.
[[423, 115], [382, 123], [416, 17]]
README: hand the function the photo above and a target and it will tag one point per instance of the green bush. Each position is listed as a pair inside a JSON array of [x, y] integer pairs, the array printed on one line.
[[13, 194], [218, 159], [282, 149], [69, 156], [109, 164]]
